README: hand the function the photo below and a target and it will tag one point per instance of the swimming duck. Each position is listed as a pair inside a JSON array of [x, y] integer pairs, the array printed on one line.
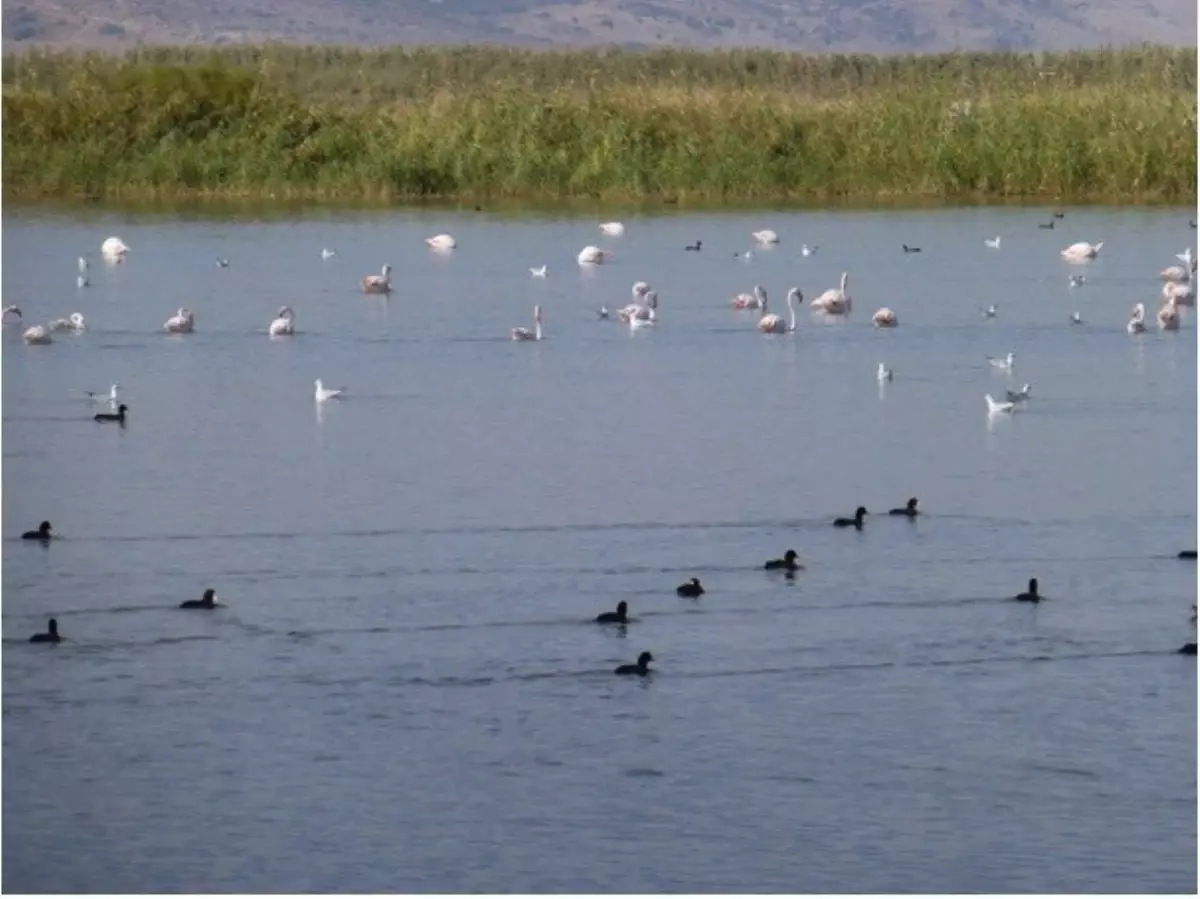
[[1187, 554], [1187, 649], [209, 601], [787, 563], [1031, 595], [690, 590], [118, 416], [51, 635], [44, 532], [855, 522], [910, 509], [642, 668], [620, 616]]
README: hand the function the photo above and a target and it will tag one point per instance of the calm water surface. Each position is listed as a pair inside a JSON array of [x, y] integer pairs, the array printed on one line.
[[406, 692]]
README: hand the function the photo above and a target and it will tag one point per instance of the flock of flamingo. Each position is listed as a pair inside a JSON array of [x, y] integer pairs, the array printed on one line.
[[642, 312]]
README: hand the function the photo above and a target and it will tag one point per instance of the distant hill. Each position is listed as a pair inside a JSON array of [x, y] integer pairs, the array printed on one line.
[[866, 26]]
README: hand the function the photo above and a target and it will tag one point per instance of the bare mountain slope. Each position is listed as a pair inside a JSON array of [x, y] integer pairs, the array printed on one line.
[[872, 26]]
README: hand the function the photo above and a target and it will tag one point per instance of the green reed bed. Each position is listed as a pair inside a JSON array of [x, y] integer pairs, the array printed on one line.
[[471, 123]]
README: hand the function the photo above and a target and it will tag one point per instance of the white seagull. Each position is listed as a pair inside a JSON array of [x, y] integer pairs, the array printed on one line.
[[323, 393]]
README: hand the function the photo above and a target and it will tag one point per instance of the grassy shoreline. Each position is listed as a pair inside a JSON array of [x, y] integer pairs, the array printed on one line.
[[487, 125]]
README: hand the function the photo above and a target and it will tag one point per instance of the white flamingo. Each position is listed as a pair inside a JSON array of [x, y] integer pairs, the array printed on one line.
[[1182, 293], [114, 250], [765, 236], [771, 323], [1137, 321], [441, 242], [1082, 251], [284, 323], [834, 301], [323, 393], [381, 283], [636, 323], [182, 322], [755, 300], [641, 307], [993, 242], [613, 229], [591, 255], [884, 318], [525, 333], [37, 335], [1168, 316], [73, 322], [1183, 272]]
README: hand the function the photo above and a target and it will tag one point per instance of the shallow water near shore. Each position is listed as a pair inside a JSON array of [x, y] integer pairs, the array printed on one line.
[[406, 691]]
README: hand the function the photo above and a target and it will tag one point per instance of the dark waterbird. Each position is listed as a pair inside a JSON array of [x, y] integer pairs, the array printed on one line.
[[620, 616], [1188, 649], [690, 590], [1183, 553], [908, 249], [856, 522], [51, 635], [909, 510], [209, 601], [787, 563], [44, 532], [1059, 215], [118, 416], [641, 668], [693, 247], [1031, 595]]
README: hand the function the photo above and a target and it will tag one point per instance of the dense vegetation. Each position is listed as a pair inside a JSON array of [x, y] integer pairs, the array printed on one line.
[[486, 122]]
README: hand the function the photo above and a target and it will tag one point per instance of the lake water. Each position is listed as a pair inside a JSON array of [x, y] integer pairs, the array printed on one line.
[[406, 692]]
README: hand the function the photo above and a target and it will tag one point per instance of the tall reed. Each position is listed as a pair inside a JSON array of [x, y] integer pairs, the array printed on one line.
[[484, 122]]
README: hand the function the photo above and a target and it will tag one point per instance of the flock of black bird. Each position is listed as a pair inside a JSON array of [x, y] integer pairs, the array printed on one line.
[[691, 589]]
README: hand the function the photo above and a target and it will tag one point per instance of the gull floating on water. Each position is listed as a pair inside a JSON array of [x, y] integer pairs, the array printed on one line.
[[990, 311], [1004, 364], [322, 393], [1078, 280], [98, 397], [1018, 396], [993, 242], [884, 373], [222, 263], [746, 256], [1076, 318], [538, 272], [995, 408], [328, 253], [602, 312], [83, 265], [81, 281], [806, 250], [525, 333]]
